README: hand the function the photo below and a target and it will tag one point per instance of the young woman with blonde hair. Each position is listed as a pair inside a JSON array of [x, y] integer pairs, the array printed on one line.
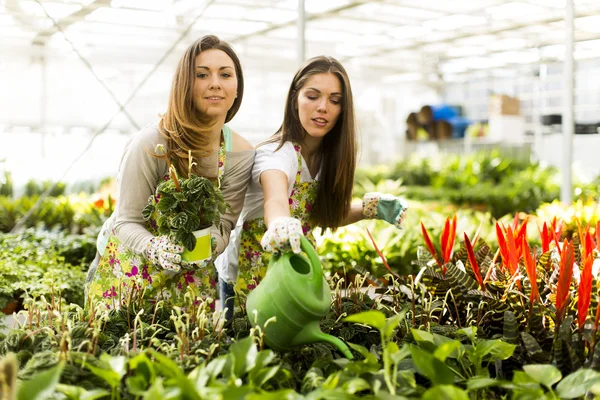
[[132, 258], [302, 178]]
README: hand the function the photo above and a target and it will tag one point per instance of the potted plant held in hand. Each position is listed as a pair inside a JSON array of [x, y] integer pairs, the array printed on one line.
[[185, 208]]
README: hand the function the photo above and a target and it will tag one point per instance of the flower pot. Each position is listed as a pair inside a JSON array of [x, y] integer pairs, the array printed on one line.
[[203, 249]]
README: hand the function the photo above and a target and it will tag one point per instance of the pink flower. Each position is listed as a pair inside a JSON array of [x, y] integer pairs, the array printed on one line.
[[189, 277], [134, 272], [145, 274]]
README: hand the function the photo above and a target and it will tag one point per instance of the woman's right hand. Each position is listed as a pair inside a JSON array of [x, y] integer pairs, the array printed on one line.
[[162, 252], [284, 233]]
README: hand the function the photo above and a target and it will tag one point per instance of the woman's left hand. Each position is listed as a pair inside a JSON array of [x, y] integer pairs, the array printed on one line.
[[386, 207]]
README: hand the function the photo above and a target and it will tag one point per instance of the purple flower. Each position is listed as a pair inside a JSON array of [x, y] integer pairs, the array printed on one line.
[[134, 272]]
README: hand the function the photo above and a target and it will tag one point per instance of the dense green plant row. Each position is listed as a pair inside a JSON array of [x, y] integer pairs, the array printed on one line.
[[35, 187], [73, 213], [486, 181], [36, 263], [470, 322]]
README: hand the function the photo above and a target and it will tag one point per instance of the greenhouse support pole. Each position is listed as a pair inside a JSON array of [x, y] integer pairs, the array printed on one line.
[[301, 27], [43, 103], [566, 188]]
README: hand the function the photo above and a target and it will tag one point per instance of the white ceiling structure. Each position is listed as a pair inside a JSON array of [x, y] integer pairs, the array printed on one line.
[[403, 39]]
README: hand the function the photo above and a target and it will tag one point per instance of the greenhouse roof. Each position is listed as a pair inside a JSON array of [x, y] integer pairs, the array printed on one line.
[[400, 38]]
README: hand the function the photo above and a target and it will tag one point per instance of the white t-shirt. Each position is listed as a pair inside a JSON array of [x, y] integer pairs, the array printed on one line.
[[284, 159]]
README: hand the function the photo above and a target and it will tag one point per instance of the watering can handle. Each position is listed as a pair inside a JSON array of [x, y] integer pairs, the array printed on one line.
[[317, 270]]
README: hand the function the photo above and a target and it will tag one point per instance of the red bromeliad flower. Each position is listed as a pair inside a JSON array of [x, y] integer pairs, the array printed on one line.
[[565, 275], [430, 245], [598, 235], [546, 237], [447, 242], [508, 248], [530, 267], [556, 231], [584, 294], [473, 262]]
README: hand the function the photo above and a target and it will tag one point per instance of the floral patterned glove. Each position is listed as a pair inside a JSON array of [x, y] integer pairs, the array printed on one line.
[[201, 264], [283, 234], [384, 206], [162, 252]]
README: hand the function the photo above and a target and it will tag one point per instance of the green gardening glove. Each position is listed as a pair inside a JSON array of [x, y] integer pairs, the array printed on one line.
[[386, 207]]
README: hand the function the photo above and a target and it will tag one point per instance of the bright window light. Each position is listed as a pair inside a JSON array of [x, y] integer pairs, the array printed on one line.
[[588, 24], [54, 9], [456, 21], [509, 10], [218, 25], [271, 15], [550, 3], [463, 51], [233, 12], [122, 16], [151, 5], [408, 77], [313, 6], [409, 31], [508, 44]]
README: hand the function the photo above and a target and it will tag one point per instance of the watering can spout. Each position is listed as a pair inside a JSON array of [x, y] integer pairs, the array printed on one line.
[[312, 333]]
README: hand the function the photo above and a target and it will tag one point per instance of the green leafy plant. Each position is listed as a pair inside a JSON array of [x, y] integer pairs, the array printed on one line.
[[182, 205]]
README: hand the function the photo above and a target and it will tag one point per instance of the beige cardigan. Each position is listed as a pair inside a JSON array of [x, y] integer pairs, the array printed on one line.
[[139, 173]]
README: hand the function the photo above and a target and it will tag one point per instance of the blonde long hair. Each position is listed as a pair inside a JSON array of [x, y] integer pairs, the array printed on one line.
[[339, 147], [184, 127]]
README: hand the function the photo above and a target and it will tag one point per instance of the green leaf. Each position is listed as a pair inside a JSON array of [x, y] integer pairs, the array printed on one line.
[[167, 202], [478, 382], [470, 332], [187, 239], [180, 220], [445, 392], [79, 393], [147, 212], [244, 355], [109, 376], [193, 222], [259, 377], [283, 394], [448, 349], [376, 319], [401, 354], [424, 339], [41, 385], [577, 384], [179, 196], [498, 349], [544, 374], [430, 367], [369, 358], [392, 323], [356, 385]]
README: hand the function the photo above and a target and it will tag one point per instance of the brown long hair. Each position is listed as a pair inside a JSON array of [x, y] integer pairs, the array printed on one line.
[[338, 152], [184, 127]]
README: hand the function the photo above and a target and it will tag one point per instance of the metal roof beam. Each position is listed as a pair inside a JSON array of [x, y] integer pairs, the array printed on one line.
[[45, 34]]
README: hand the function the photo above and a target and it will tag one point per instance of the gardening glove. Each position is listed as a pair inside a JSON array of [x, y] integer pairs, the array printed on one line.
[[162, 252], [201, 264], [384, 206], [283, 234]]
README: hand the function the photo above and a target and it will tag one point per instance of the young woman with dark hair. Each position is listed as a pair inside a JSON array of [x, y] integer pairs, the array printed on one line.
[[302, 178]]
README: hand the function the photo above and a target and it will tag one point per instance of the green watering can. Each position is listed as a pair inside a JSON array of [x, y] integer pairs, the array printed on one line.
[[295, 292]]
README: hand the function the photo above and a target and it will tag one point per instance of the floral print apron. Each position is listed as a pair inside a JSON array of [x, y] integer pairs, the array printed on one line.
[[122, 275], [253, 261]]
